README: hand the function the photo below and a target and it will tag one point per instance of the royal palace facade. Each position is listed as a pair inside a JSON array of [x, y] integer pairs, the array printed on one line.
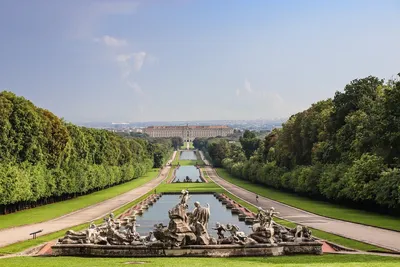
[[188, 133]]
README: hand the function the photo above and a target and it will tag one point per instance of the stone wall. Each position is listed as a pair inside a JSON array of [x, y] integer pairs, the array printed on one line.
[[313, 248]]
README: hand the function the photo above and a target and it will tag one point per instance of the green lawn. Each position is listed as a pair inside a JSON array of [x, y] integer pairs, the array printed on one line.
[[212, 187], [23, 245], [317, 233], [51, 211], [184, 146], [192, 187], [289, 261], [315, 206]]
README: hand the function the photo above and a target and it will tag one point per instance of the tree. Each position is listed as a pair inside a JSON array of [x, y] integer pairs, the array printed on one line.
[[177, 142], [249, 142], [218, 151]]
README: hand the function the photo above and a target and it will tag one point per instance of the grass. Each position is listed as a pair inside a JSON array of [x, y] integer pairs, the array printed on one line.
[[350, 243], [23, 245], [170, 173], [187, 162], [289, 261], [318, 207], [192, 187], [184, 146], [54, 210]]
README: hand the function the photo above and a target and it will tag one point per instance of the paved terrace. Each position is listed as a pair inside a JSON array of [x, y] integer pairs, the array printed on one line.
[[16, 234]]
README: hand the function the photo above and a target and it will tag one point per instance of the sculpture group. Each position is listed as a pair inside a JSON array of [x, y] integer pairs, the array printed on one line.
[[187, 228], [187, 179]]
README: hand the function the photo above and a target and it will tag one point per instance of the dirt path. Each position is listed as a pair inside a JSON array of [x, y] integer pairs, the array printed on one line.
[[99, 210], [368, 234]]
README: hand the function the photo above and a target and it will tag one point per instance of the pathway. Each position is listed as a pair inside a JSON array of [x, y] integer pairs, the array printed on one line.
[[368, 234], [12, 235]]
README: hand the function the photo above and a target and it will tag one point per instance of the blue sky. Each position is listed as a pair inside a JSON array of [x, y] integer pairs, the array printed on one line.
[[191, 60]]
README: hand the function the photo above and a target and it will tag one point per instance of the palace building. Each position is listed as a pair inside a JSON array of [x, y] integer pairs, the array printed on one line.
[[188, 133]]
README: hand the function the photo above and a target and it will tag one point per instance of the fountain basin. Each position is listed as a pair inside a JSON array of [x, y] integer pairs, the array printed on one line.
[[158, 250]]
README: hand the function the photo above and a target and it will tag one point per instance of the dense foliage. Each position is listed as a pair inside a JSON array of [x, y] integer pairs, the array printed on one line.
[[345, 149], [44, 159]]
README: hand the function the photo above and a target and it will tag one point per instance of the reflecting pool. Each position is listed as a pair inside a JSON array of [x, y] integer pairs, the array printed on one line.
[[191, 171], [188, 155], [158, 213]]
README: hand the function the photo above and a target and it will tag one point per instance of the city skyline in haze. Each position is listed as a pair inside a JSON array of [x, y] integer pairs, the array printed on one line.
[[183, 60]]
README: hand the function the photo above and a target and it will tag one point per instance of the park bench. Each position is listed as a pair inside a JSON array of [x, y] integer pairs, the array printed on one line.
[[33, 234]]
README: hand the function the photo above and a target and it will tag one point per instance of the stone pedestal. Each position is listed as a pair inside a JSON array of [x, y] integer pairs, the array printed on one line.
[[158, 250]]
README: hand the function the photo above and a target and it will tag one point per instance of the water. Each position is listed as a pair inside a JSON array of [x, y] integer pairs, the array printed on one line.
[[158, 213], [188, 155], [184, 171]]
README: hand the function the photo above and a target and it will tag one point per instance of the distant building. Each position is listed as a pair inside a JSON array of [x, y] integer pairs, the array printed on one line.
[[188, 133]]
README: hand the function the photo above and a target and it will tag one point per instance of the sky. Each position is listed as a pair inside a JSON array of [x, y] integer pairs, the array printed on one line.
[[182, 60]]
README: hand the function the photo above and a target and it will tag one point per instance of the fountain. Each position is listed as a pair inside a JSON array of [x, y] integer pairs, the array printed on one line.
[[187, 174], [187, 234]]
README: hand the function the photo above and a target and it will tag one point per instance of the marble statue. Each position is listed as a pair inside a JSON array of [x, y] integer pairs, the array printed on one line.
[[184, 197], [186, 228], [220, 229]]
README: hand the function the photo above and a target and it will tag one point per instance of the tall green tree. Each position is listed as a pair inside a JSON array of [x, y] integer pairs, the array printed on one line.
[[249, 142]]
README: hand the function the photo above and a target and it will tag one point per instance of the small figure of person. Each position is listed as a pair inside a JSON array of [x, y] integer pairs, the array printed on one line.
[[257, 198]]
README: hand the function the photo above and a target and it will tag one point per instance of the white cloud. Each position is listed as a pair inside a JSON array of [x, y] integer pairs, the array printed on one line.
[[111, 41], [237, 92], [126, 64], [138, 59], [135, 86], [123, 57], [247, 86]]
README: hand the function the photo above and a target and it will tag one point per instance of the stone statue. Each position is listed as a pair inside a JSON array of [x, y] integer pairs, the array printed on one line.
[[184, 198], [266, 218], [187, 180], [301, 233], [220, 229], [200, 214], [186, 228], [262, 217], [237, 237], [270, 216]]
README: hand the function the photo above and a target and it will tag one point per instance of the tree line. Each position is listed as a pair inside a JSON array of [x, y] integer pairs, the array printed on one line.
[[344, 150], [44, 159]]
